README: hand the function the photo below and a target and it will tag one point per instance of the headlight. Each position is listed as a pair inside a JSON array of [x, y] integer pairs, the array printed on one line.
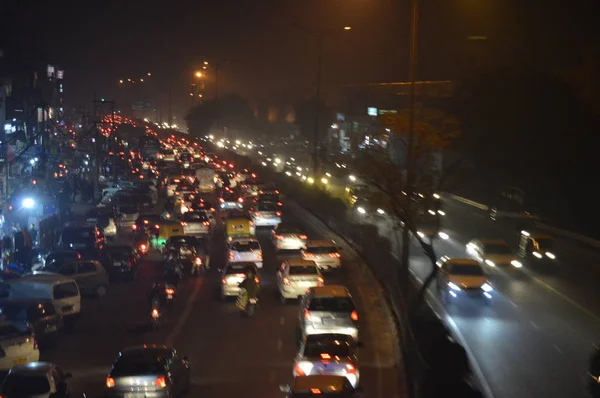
[[421, 234], [486, 287], [516, 264], [453, 286], [538, 255], [551, 255], [490, 263], [443, 235], [361, 210]]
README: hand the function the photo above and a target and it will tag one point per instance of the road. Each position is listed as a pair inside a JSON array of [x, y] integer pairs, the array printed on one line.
[[536, 338], [231, 355]]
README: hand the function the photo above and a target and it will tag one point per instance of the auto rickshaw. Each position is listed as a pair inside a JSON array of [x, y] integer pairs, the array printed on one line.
[[536, 247], [165, 230], [239, 226]]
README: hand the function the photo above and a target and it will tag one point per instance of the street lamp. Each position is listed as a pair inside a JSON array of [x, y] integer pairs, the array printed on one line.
[[199, 74]]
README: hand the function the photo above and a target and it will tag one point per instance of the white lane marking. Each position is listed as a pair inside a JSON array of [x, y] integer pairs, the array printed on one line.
[[184, 316], [558, 349], [534, 325], [279, 344], [282, 321]]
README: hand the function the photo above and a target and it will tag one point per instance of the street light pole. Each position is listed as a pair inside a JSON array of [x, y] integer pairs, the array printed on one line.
[[315, 154], [218, 115], [412, 72]]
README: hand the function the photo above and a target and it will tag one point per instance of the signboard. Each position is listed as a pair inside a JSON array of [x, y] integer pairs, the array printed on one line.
[[142, 106], [372, 111], [388, 111]]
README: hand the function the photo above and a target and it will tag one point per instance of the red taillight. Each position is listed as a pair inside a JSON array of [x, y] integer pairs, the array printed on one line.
[[350, 369], [160, 382], [134, 227], [334, 255], [184, 223], [169, 291], [241, 200], [155, 313], [307, 315], [143, 247], [279, 204], [198, 261], [256, 280], [279, 237], [278, 213], [325, 356], [206, 223], [224, 281], [260, 255], [110, 382], [231, 256], [286, 281], [221, 200], [321, 280], [299, 371], [308, 255], [354, 315], [303, 237]]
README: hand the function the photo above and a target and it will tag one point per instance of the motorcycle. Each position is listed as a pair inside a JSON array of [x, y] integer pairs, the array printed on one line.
[[245, 304], [197, 267], [170, 293], [155, 318]]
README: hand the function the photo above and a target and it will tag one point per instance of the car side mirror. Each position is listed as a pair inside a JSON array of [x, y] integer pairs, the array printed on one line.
[[68, 376], [285, 388]]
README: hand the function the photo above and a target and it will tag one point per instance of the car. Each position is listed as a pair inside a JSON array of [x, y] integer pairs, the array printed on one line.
[[245, 249], [230, 200], [325, 386], [146, 222], [187, 201], [171, 185], [294, 276], [62, 255], [184, 188], [128, 214], [186, 244], [328, 354], [266, 214], [233, 274], [195, 223], [324, 253], [288, 237], [462, 277], [492, 252], [90, 275], [81, 236], [36, 379], [149, 371], [124, 260], [39, 314], [19, 346], [328, 309], [105, 218]]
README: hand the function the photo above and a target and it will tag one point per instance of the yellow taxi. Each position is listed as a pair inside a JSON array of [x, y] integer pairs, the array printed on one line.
[[462, 278]]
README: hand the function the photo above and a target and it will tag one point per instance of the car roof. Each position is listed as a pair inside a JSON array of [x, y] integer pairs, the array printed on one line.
[[320, 243], [32, 368], [325, 383], [330, 291], [298, 262]]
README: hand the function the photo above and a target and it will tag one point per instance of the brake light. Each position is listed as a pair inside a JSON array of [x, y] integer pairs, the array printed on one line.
[[231, 256], [279, 237], [307, 315], [143, 247], [35, 344], [198, 261], [134, 227], [321, 281], [354, 315], [224, 281], [160, 382], [315, 391], [256, 280], [221, 200], [286, 281], [184, 223], [350, 369], [241, 200], [299, 371], [279, 204], [206, 223], [278, 213], [110, 382], [256, 214], [260, 255], [157, 226], [334, 255], [303, 237], [325, 356], [277, 192], [308, 255], [155, 313], [169, 290], [251, 223]]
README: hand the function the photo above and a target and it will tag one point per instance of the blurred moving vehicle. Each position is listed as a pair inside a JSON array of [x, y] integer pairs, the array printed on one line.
[[462, 277], [492, 252], [245, 250]]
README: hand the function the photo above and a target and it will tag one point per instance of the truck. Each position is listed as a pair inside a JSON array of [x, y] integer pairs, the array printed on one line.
[[206, 179]]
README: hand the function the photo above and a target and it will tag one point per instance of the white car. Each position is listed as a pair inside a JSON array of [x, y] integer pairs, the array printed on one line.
[[245, 250], [492, 252], [195, 223], [295, 276], [328, 354], [287, 237], [322, 252], [266, 214], [35, 379], [172, 184], [18, 346], [328, 309]]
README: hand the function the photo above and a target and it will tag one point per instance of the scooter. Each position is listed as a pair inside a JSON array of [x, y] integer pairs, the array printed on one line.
[[155, 318], [246, 305], [170, 293]]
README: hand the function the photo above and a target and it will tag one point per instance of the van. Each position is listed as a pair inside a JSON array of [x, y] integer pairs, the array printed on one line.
[[62, 291]]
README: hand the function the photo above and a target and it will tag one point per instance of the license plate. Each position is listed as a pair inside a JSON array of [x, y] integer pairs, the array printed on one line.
[[20, 361], [116, 264]]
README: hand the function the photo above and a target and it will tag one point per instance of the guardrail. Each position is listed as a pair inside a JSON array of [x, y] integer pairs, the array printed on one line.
[[545, 227]]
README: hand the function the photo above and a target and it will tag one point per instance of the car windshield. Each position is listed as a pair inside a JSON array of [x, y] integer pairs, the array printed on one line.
[[78, 235], [315, 349], [240, 269], [321, 249], [284, 229], [303, 270], [197, 217], [137, 366], [460, 269], [246, 246], [19, 385], [497, 249], [335, 304]]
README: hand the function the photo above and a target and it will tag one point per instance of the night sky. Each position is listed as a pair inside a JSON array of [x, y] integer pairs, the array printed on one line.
[[268, 50]]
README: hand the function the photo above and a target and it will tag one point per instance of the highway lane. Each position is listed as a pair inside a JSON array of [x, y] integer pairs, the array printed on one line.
[[531, 341], [230, 355]]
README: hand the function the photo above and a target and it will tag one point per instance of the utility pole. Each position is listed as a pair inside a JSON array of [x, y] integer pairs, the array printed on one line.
[[315, 148], [97, 150], [170, 121], [116, 139], [217, 108], [410, 178]]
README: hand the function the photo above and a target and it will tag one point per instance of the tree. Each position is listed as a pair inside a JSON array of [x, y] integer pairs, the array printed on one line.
[[201, 117], [232, 112], [384, 169], [305, 118]]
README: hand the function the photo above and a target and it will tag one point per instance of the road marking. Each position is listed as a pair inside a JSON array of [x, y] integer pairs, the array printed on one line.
[[558, 349], [279, 344], [534, 325], [184, 316], [282, 321]]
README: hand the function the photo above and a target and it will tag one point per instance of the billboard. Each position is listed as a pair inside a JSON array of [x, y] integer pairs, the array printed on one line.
[[143, 106]]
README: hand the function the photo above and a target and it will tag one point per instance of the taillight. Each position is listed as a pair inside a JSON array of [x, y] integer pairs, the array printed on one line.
[[303, 237], [278, 213], [160, 382], [241, 200], [286, 281], [325, 356], [350, 369], [321, 281], [334, 255], [279, 237], [110, 382], [134, 227], [256, 280], [155, 313], [299, 371], [308, 255], [221, 200], [198, 261], [260, 255], [157, 226], [231, 256], [224, 281], [184, 223], [206, 223], [279, 204], [169, 291], [354, 315], [143, 247], [35, 344], [307, 315]]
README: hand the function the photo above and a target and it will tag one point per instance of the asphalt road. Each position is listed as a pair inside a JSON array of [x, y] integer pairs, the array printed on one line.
[[231, 356]]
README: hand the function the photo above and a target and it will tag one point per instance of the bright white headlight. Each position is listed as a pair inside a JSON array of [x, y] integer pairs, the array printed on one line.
[[538, 255], [486, 287], [443, 235], [490, 263], [516, 264], [453, 286], [550, 255]]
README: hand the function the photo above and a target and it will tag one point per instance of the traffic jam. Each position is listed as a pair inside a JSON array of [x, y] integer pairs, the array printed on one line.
[[176, 201]]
